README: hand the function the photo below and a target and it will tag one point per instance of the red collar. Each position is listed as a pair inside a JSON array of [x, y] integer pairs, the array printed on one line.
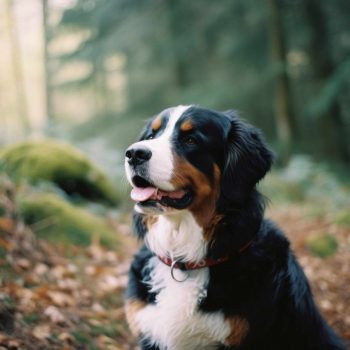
[[184, 266]]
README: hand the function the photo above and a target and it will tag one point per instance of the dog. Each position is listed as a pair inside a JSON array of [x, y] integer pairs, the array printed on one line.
[[212, 273]]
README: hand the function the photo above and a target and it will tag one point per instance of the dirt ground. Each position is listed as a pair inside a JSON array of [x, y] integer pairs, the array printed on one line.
[[63, 299]]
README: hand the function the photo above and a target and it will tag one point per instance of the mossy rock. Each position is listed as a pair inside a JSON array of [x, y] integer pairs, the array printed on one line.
[[59, 221], [322, 245], [60, 163]]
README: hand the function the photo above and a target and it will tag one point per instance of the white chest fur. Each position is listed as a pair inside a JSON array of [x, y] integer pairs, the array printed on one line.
[[177, 236], [174, 321]]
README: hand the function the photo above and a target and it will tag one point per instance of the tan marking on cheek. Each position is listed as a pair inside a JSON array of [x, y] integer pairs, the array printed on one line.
[[210, 228], [133, 306], [186, 126], [206, 192], [239, 330], [157, 123]]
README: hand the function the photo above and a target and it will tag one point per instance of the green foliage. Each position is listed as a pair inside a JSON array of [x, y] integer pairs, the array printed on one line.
[[343, 217], [322, 245], [31, 319], [84, 338], [59, 163], [216, 54], [88, 334], [331, 90], [175, 52], [110, 330], [53, 218]]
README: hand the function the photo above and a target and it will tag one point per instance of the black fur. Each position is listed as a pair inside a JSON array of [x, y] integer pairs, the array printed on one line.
[[264, 284]]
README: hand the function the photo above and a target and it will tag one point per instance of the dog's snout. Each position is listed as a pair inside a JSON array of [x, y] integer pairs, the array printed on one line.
[[138, 155]]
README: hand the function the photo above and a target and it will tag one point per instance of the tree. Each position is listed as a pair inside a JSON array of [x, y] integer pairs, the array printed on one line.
[[21, 99], [284, 115], [221, 55], [332, 128], [46, 59]]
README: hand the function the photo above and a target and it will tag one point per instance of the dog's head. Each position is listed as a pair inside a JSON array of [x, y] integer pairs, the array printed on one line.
[[196, 159]]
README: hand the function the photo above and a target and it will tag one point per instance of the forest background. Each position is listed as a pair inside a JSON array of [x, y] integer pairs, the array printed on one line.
[[78, 80]]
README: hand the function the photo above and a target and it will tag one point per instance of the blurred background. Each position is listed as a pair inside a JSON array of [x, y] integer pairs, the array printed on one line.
[[98, 69], [78, 80]]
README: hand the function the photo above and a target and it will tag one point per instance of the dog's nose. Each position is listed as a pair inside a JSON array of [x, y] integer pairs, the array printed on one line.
[[138, 155]]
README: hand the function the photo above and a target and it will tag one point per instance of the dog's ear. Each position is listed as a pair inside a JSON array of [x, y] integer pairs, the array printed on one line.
[[247, 160]]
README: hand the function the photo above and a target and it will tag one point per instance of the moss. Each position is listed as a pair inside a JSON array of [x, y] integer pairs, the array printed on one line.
[[59, 163], [322, 245], [58, 221], [343, 218]]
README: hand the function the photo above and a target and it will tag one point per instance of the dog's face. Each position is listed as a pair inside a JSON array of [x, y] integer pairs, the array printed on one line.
[[189, 158]]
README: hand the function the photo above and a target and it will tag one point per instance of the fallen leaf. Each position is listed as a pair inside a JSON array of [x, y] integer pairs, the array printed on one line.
[[14, 344], [5, 245], [54, 314], [69, 284], [41, 332], [98, 308], [110, 283], [66, 337], [23, 263], [60, 299], [326, 305], [40, 269], [7, 225]]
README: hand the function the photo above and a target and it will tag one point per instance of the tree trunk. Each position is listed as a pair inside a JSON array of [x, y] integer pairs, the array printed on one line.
[[21, 99], [180, 67], [284, 117], [332, 128], [101, 92], [47, 73]]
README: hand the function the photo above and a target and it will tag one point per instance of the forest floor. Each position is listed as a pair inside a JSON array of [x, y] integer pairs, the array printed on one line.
[[61, 299]]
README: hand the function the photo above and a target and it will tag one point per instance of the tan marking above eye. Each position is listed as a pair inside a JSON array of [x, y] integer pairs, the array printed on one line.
[[157, 123], [186, 125]]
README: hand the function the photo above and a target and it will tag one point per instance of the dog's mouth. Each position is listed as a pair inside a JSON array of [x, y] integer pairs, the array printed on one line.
[[147, 194]]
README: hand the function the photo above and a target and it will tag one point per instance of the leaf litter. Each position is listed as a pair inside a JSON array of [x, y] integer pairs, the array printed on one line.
[[56, 298]]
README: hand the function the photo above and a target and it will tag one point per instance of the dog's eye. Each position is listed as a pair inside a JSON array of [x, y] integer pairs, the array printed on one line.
[[190, 140], [150, 137]]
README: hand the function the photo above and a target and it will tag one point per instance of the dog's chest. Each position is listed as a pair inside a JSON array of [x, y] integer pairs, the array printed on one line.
[[174, 322]]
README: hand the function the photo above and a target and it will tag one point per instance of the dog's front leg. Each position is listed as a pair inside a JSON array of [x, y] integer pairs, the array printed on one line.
[[142, 319], [137, 293], [132, 308]]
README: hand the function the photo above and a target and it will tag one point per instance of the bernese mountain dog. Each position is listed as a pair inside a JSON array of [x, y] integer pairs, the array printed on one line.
[[213, 273]]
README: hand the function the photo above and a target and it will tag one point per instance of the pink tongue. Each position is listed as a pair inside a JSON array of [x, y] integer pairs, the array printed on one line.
[[139, 194]]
